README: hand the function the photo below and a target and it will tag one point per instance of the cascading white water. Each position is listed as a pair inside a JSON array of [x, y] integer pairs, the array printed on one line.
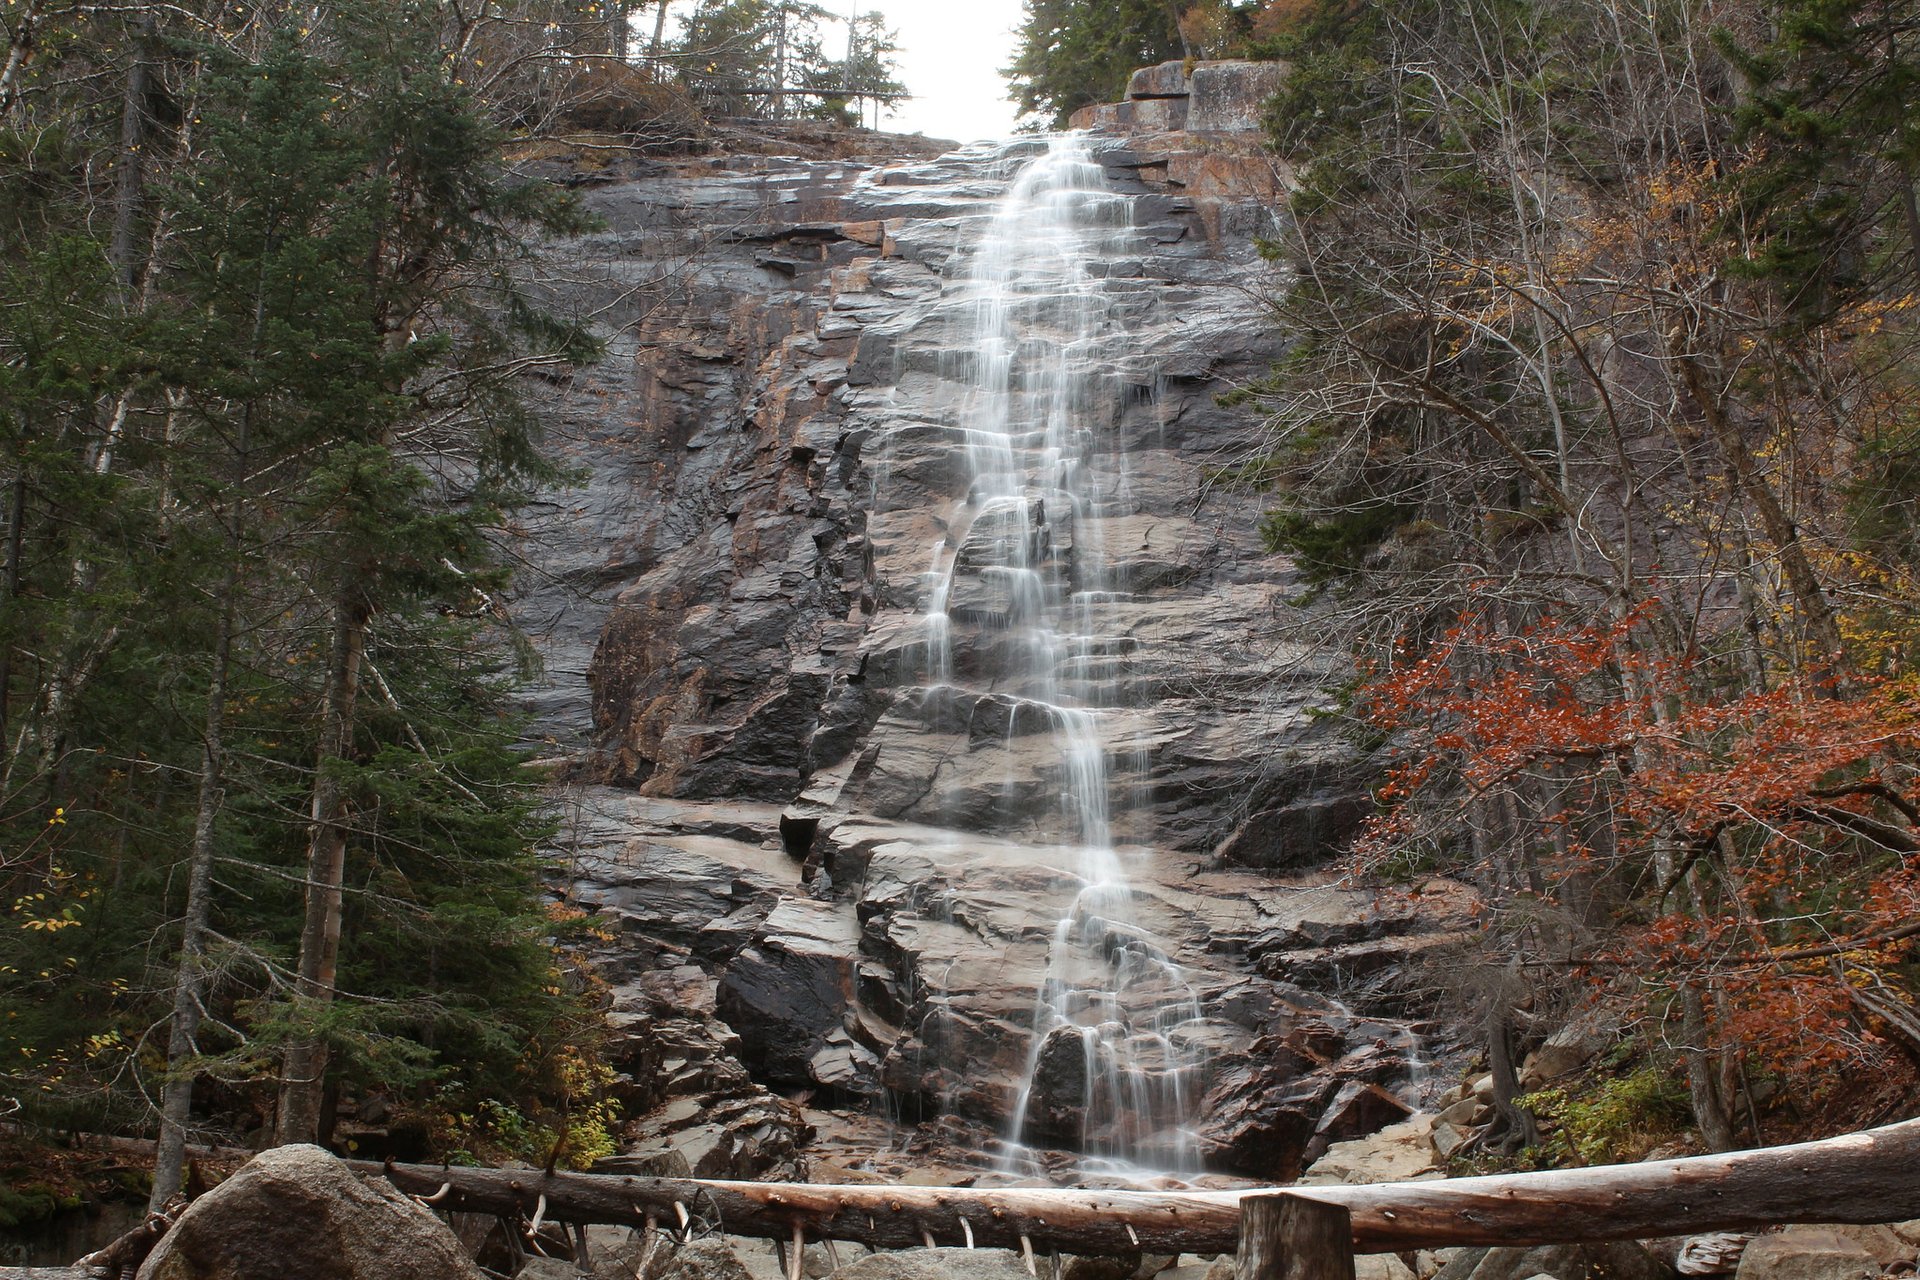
[[1032, 342]]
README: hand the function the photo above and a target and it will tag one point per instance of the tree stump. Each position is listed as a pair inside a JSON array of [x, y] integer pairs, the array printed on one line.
[[1290, 1237]]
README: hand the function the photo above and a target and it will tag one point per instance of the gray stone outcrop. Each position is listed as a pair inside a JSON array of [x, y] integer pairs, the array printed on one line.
[[1228, 97], [1199, 98], [548, 1269]]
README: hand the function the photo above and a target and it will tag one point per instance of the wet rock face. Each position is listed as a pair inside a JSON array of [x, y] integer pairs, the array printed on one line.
[[788, 992], [774, 444], [916, 980], [835, 879], [1056, 1112]]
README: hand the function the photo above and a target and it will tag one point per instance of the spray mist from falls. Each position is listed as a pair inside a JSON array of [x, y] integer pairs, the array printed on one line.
[[1034, 342]]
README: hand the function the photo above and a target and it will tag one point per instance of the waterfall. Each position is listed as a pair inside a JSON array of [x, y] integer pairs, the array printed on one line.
[[1033, 345], [958, 728]]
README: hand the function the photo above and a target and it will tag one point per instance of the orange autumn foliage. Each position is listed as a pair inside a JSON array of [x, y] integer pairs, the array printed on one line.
[[1739, 829]]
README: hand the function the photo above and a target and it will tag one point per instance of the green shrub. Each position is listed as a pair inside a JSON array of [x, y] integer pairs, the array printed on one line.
[[1618, 1121]]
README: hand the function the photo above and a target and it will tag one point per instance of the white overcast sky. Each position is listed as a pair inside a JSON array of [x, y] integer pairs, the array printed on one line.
[[951, 52]]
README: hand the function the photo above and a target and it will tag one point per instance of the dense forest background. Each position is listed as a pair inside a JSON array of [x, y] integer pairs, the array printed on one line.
[[1598, 447], [267, 298], [1599, 443]]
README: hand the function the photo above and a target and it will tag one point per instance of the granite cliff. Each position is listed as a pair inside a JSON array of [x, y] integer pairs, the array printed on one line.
[[831, 877]]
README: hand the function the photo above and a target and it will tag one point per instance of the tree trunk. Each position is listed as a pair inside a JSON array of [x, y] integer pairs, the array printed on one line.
[[1521, 1131], [659, 41], [1910, 208], [780, 63], [124, 1255], [1710, 1110], [619, 33], [19, 46], [16, 525], [130, 169], [1292, 1237], [190, 980], [67, 678], [1822, 633], [303, 1074]]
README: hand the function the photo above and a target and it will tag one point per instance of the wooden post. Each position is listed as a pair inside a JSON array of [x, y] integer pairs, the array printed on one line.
[[1290, 1237]]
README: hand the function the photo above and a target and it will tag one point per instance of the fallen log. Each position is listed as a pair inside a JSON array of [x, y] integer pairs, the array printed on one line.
[[107, 1142], [1866, 1177]]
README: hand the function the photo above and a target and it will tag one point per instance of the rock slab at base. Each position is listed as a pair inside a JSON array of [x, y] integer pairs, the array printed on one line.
[[548, 1269], [1807, 1253], [298, 1213], [710, 1259], [1400, 1152], [1609, 1260], [936, 1264]]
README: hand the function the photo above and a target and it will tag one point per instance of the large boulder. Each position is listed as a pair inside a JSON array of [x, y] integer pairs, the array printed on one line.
[[1894, 1245], [1258, 1126], [548, 1269], [787, 995], [298, 1213], [1588, 1035], [1131, 1266], [1057, 1100], [1167, 80]]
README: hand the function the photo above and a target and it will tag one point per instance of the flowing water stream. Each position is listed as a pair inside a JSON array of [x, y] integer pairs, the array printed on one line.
[[1033, 338]]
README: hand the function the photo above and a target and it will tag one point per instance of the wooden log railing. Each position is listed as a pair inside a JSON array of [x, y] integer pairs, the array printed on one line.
[[1867, 1177]]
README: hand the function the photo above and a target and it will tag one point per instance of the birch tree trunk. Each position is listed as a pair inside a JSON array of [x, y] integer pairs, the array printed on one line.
[[19, 45]]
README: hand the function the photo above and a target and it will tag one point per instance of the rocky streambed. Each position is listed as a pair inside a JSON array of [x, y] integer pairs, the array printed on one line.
[[836, 868]]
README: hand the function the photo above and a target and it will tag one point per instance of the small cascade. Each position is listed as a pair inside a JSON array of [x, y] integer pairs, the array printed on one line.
[[1422, 1087], [939, 636], [1111, 1071]]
